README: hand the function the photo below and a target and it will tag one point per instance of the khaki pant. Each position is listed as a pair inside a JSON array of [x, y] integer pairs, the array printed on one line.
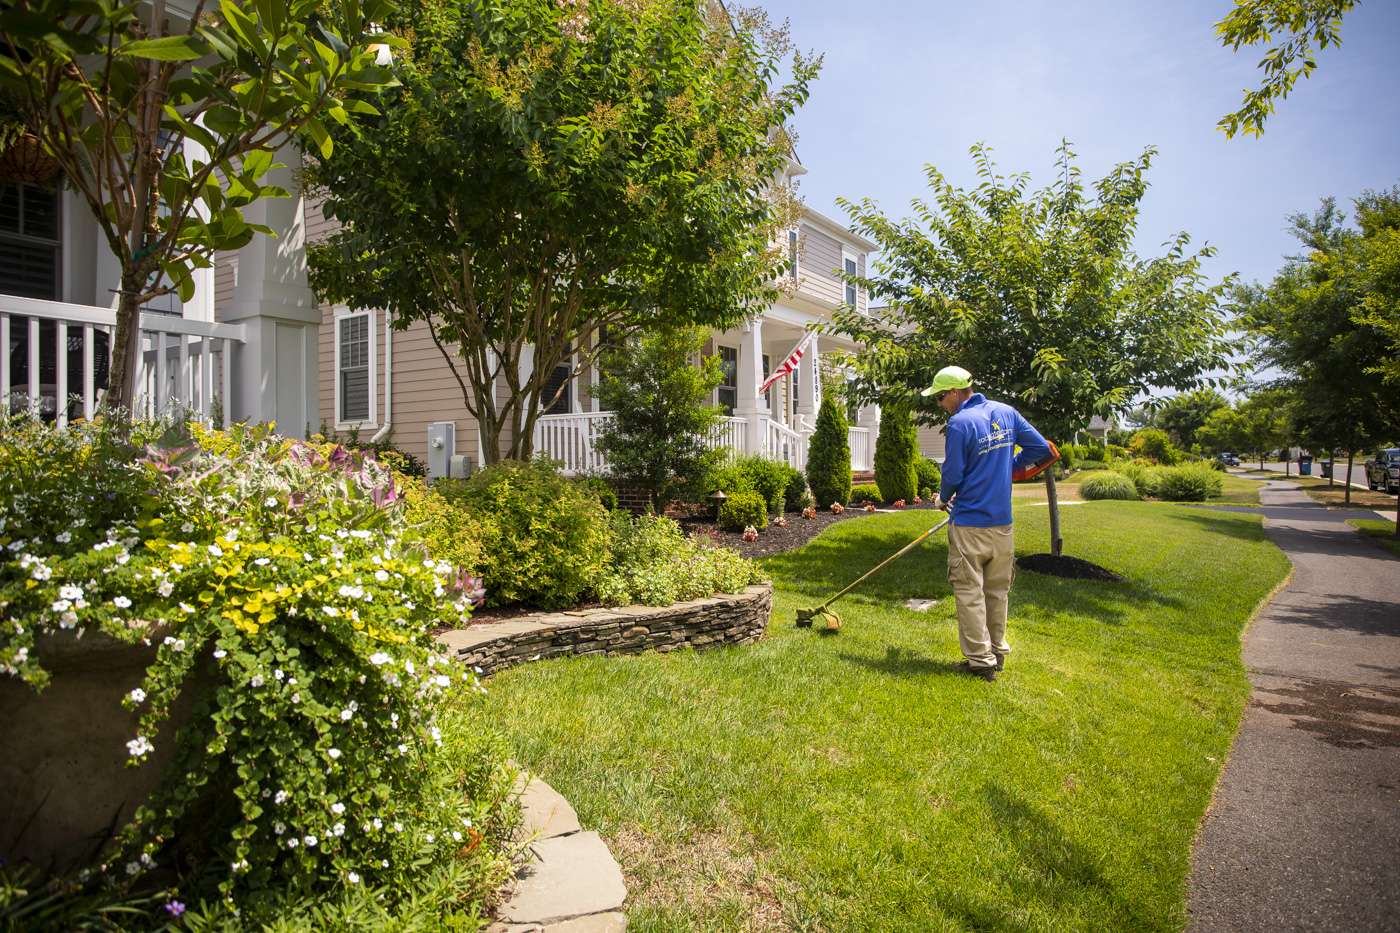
[[981, 566]]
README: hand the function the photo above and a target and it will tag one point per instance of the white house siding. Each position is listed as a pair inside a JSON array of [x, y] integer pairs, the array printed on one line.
[[819, 259]]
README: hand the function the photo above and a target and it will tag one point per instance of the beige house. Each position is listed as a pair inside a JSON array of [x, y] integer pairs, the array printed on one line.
[[381, 383]]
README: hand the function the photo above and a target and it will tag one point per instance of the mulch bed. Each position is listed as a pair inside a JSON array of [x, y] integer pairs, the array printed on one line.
[[774, 539], [1072, 568]]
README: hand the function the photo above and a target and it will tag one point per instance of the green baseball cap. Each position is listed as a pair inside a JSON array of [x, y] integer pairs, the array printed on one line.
[[949, 377]]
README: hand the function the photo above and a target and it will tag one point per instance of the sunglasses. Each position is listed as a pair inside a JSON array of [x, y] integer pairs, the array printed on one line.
[[939, 396]]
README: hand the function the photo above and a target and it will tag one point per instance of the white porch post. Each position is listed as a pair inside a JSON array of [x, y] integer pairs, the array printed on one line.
[[277, 376], [809, 384], [751, 405], [868, 416]]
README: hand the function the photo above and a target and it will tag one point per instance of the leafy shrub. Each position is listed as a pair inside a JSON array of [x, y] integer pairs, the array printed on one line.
[[317, 761], [601, 488], [1145, 478], [1190, 482], [1156, 444], [768, 478], [829, 455], [653, 563], [896, 450], [1114, 452], [443, 528], [796, 496], [545, 537], [1090, 465], [741, 509], [930, 476], [865, 492], [1107, 486]]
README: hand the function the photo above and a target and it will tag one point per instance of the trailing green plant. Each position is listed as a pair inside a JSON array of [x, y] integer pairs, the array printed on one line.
[[1189, 482], [743, 509], [1107, 485], [829, 455], [545, 538], [896, 450], [865, 492], [653, 563], [314, 761]]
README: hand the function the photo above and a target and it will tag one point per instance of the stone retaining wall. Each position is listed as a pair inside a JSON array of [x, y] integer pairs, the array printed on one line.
[[700, 623]]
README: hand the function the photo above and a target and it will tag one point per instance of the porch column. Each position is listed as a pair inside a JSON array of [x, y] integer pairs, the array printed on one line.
[[809, 384], [752, 406], [275, 372], [868, 416]]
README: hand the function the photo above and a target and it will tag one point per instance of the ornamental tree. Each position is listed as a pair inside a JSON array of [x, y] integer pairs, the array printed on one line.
[[112, 93], [1038, 294], [551, 168]]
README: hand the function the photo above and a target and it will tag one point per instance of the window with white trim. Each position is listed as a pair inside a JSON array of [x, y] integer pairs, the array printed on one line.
[[30, 242], [850, 266], [354, 368], [560, 381], [793, 254], [728, 392]]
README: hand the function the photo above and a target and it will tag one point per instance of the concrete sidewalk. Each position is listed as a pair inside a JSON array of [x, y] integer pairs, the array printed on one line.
[[1304, 830]]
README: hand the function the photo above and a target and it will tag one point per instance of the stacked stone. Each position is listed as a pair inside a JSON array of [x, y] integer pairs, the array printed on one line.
[[700, 623]]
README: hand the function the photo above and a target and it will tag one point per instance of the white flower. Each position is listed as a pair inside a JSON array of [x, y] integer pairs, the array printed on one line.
[[408, 666], [277, 673], [186, 608], [337, 808], [147, 861], [220, 653], [270, 502], [377, 823], [291, 681], [279, 827], [403, 749], [70, 592], [360, 533], [309, 841], [331, 611], [137, 696], [398, 827], [345, 715], [165, 588], [139, 746], [63, 537], [215, 550], [456, 836], [352, 878], [352, 592], [60, 605], [68, 619], [133, 868], [187, 527], [384, 863], [296, 697], [122, 557], [338, 829], [378, 658], [262, 561], [334, 753], [292, 842], [381, 575], [437, 735], [282, 797], [121, 602], [173, 643], [41, 572], [442, 680], [256, 681], [432, 838], [232, 535]]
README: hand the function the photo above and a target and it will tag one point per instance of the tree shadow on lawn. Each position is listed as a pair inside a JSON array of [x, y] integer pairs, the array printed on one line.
[[1057, 872], [903, 663]]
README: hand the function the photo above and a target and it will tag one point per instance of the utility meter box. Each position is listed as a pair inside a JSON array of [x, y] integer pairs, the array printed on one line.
[[442, 447]]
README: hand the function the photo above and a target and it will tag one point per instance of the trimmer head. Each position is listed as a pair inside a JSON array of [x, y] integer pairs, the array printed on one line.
[[825, 620]]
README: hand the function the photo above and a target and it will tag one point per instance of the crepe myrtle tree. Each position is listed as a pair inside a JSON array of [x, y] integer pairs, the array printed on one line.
[[550, 169], [1038, 294], [111, 92]]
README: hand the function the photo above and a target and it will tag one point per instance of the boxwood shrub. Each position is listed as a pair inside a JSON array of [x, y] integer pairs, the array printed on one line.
[[1190, 482], [865, 492], [930, 476], [1105, 485], [742, 509], [829, 455], [895, 454]]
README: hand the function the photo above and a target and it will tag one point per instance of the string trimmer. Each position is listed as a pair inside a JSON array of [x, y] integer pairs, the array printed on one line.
[[830, 621]]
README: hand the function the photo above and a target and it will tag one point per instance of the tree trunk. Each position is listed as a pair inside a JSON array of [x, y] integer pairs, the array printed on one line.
[[1347, 484], [125, 350], [1397, 514], [1331, 471], [1056, 543]]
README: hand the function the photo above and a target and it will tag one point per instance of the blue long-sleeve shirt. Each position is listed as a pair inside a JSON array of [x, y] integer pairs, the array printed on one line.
[[980, 456]]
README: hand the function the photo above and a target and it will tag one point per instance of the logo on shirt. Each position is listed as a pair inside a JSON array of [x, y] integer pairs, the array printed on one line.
[[995, 439]]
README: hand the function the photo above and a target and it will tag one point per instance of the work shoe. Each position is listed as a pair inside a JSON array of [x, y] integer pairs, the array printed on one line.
[[1001, 663], [989, 674]]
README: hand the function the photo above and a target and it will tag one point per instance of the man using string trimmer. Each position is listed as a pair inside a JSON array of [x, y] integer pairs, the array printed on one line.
[[979, 466]]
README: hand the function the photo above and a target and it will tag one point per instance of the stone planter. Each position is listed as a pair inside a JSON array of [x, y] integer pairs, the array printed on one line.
[[64, 784]]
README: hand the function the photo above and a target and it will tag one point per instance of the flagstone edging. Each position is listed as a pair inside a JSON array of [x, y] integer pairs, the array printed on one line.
[[726, 619]]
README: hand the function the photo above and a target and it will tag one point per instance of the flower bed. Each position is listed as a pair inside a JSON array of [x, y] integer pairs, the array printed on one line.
[[275, 587]]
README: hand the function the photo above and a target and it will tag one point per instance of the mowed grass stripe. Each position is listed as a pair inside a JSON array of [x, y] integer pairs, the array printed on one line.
[[857, 782]]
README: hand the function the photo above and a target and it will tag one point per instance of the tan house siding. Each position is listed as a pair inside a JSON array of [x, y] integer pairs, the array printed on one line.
[[931, 442], [818, 264]]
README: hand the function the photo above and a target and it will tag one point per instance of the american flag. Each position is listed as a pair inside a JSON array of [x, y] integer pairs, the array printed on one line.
[[788, 365]]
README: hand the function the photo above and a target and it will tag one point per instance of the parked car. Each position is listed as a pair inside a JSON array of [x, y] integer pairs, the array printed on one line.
[[1229, 459], [1383, 470]]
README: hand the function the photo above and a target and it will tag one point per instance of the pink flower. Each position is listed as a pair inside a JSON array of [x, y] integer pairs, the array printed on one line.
[[898, 503], [837, 508], [750, 533]]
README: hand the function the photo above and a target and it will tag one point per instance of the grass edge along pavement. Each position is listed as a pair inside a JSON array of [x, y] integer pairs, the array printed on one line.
[[1381, 532], [857, 782]]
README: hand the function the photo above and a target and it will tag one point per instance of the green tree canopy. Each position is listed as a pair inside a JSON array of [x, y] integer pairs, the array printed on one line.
[[551, 168], [1182, 415], [112, 92]]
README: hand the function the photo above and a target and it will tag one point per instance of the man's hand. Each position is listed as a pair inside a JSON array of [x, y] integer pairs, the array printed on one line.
[[938, 502]]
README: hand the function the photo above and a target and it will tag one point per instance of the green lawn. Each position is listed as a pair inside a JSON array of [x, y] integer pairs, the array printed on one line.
[[856, 782], [1383, 533]]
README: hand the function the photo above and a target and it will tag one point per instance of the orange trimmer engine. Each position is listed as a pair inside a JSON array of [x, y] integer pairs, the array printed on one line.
[[1032, 470]]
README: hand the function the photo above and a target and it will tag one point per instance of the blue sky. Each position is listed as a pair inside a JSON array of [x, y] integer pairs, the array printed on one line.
[[907, 83]]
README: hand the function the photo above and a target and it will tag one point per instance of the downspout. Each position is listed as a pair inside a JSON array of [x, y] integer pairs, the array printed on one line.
[[388, 425]]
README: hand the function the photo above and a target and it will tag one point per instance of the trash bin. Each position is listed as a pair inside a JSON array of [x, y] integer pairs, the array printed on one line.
[[1326, 468], [1305, 465]]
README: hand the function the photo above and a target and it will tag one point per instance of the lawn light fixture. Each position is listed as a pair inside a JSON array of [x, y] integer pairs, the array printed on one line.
[[718, 497]]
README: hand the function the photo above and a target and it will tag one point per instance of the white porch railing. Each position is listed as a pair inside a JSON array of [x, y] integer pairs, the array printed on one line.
[[573, 439], [784, 444], [183, 365], [862, 457]]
